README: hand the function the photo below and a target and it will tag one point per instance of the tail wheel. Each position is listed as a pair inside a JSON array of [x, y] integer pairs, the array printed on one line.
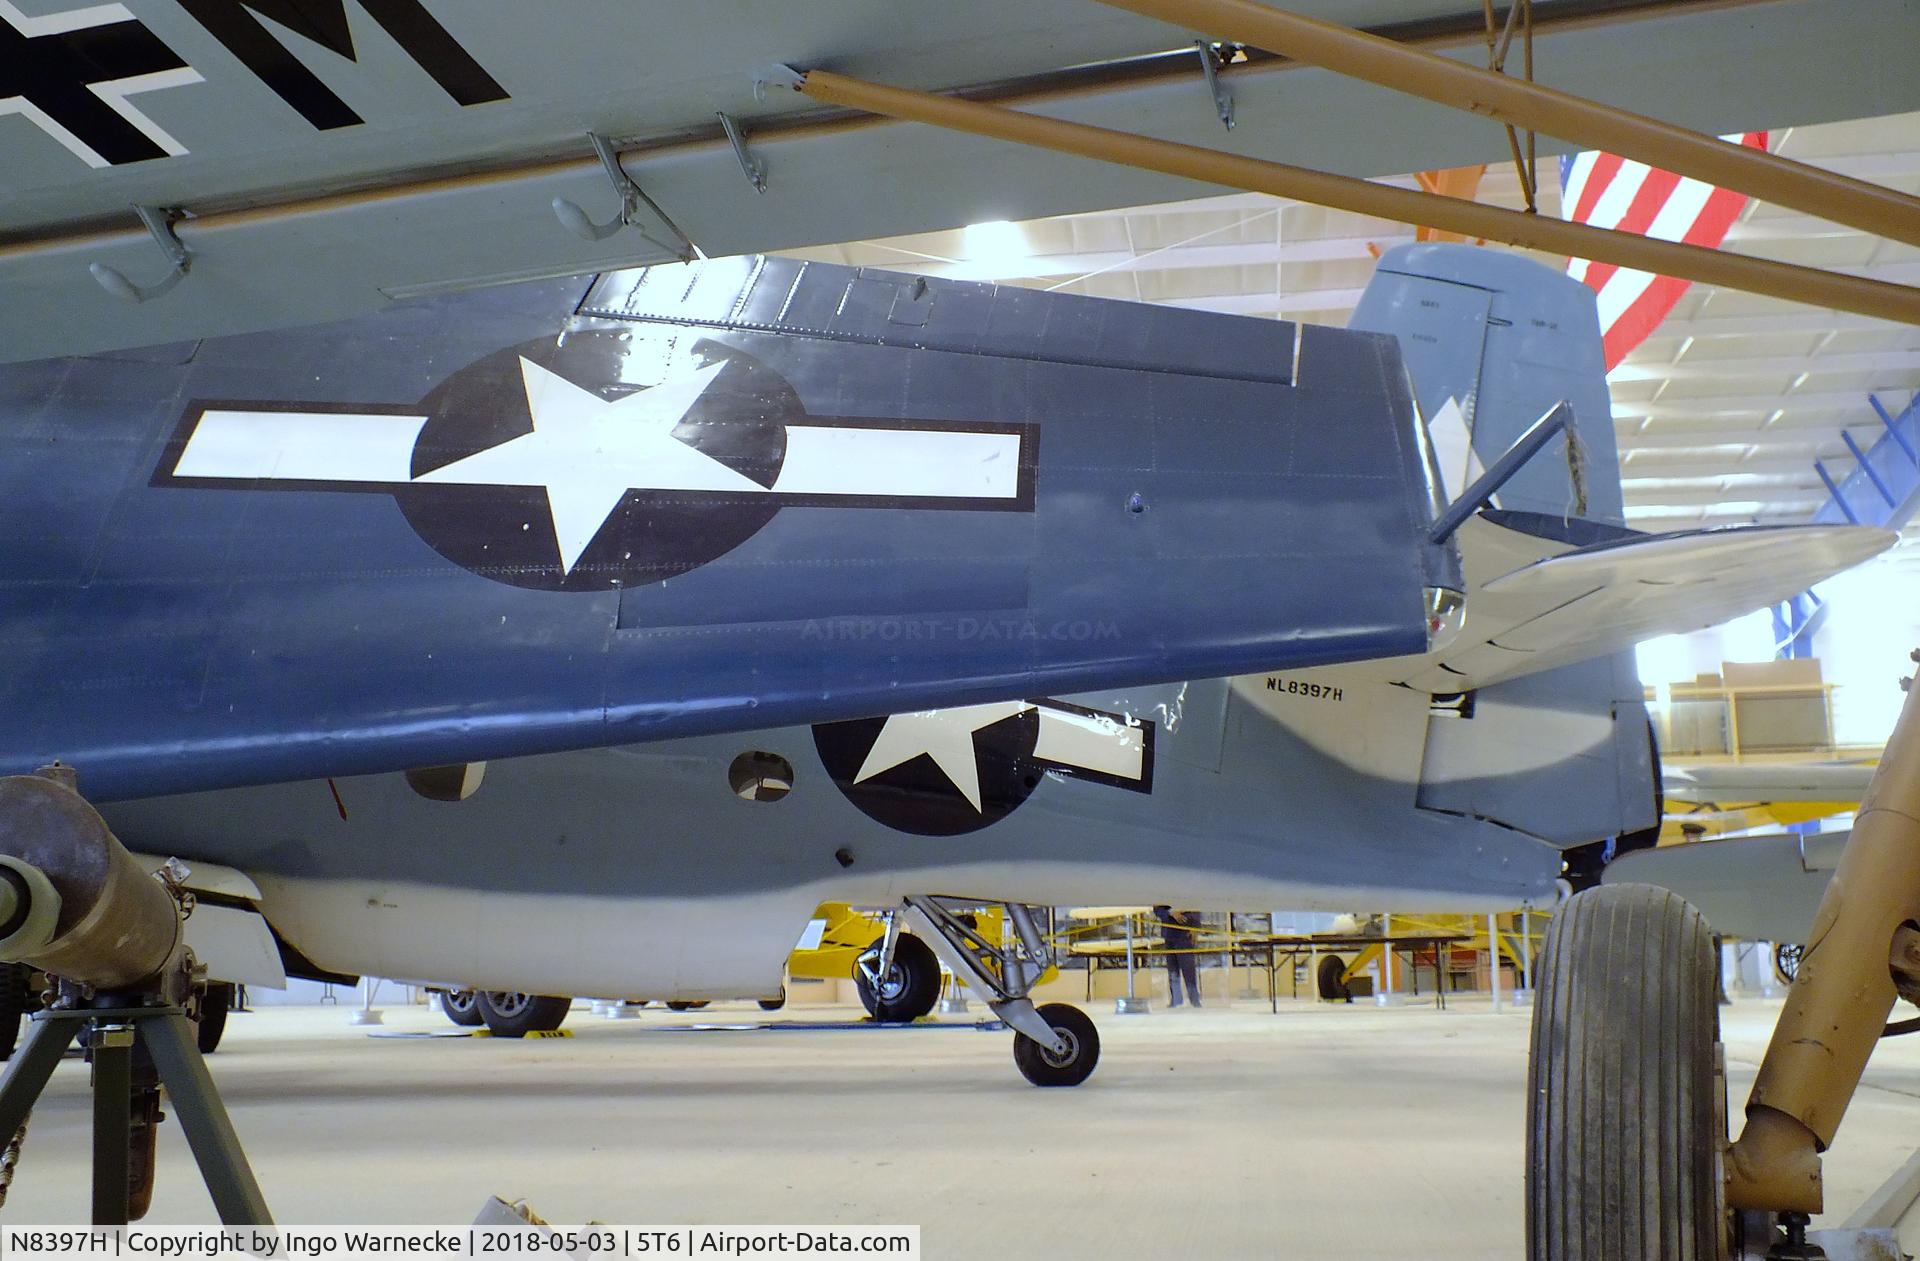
[[462, 1007], [1331, 978], [1067, 1067], [1623, 1131], [512, 1015], [212, 1022], [908, 989]]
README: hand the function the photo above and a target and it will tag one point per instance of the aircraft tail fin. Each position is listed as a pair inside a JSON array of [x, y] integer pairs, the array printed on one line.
[[1493, 341], [1538, 721]]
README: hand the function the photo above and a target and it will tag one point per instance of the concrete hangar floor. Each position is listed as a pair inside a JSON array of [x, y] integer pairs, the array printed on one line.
[[1323, 1130]]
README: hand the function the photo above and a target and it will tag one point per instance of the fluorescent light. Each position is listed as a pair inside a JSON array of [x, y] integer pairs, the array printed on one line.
[[992, 245]]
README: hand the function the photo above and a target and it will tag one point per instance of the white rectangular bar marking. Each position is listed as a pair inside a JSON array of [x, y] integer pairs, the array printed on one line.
[[899, 463], [1091, 743], [301, 446]]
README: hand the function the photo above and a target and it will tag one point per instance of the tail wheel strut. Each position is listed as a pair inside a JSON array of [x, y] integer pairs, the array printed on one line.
[[1054, 1045]]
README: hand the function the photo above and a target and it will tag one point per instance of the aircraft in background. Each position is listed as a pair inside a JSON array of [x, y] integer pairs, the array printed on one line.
[[1757, 886], [582, 637]]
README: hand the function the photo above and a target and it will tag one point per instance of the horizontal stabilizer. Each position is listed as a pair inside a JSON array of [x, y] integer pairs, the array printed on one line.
[[1761, 888], [1608, 596]]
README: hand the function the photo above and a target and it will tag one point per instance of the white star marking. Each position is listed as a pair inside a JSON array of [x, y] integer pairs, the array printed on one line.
[[588, 453], [945, 735]]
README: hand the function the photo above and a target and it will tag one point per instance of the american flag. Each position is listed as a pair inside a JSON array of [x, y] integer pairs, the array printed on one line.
[[1611, 192]]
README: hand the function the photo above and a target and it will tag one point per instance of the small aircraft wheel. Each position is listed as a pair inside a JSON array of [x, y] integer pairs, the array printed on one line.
[[1069, 1068], [16, 1001], [686, 1005], [510, 1015], [1623, 1126], [462, 1007], [212, 1021], [910, 987], [1330, 977], [775, 1004], [1786, 961]]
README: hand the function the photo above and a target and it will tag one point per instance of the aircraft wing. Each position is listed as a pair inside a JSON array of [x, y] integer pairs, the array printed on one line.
[[731, 496], [330, 156], [1761, 888], [1607, 596], [1766, 781]]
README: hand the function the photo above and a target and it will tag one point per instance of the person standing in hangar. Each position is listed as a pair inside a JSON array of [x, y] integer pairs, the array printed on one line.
[[1176, 933]]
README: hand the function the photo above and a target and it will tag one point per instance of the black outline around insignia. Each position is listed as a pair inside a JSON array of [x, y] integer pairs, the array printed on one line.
[[1022, 500]]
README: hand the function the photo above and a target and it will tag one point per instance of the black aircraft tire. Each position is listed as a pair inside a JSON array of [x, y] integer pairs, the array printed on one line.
[[1622, 1118], [1330, 977], [462, 1007], [1041, 1067], [911, 987], [509, 1015], [679, 1004], [774, 1004], [15, 1003], [212, 1025]]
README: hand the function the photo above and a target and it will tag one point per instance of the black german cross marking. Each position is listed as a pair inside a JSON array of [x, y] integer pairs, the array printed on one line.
[[236, 24], [55, 72]]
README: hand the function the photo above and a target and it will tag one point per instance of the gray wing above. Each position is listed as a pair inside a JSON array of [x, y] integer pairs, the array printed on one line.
[[329, 156]]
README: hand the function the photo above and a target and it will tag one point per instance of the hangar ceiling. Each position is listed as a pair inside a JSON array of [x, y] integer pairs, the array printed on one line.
[[1720, 415]]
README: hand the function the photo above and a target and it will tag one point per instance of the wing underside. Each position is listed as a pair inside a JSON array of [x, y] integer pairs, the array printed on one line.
[[322, 163]]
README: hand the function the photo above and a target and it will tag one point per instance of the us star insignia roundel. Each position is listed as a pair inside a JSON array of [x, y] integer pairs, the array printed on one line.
[[945, 772], [543, 466]]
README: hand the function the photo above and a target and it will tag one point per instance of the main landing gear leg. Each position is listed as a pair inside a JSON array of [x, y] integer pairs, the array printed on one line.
[[1627, 1134], [1055, 1044]]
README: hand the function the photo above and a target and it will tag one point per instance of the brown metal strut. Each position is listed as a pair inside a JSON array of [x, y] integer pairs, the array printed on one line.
[[1690, 262], [1864, 950], [1518, 103]]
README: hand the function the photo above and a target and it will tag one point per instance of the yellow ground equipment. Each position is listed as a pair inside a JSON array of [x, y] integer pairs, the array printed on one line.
[[843, 942], [836, 937]]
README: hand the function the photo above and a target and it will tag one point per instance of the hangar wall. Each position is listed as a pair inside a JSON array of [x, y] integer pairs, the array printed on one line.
[[1873, 622]]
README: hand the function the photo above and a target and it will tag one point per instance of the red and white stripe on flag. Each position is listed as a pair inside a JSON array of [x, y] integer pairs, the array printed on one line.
[[1606, 191]]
